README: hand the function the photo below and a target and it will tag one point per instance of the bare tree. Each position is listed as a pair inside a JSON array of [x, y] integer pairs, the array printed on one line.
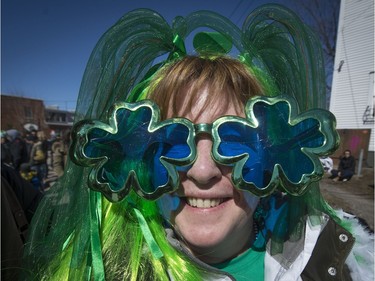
[[322, 16]]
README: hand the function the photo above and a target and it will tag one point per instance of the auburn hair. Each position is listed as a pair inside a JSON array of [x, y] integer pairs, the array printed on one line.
[[224, 78]]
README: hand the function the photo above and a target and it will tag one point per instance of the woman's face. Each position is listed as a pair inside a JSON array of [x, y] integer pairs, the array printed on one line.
[[213, 217]]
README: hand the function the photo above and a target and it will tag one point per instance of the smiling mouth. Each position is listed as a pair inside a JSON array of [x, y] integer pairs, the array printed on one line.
[[204, 203]]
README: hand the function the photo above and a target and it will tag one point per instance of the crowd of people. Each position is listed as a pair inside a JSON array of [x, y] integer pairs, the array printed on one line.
[[33, 155], [26, 161]]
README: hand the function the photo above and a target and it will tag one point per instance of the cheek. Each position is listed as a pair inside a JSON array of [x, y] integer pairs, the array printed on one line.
[[251, 201], [226, 170], [245, 201]]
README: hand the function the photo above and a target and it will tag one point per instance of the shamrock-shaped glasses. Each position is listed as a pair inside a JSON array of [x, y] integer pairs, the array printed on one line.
[[271, 147]]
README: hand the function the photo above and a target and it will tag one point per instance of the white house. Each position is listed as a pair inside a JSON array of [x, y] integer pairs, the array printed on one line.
[[352, 96]]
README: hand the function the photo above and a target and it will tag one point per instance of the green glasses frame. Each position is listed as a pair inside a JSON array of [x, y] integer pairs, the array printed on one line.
[[273, 146]]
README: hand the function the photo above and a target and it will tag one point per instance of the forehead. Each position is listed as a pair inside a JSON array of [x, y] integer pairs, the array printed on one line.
[[203, 109]]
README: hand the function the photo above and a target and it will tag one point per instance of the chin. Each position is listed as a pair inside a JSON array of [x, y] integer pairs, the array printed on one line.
[[202, 235], [205, 240], [216, 242], [213, 249]]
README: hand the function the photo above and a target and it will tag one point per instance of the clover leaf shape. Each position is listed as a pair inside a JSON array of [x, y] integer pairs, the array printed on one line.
[[135, 150], [275, 146]]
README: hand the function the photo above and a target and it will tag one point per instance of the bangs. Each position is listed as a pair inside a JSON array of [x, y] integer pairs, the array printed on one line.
[[181, 105], [180, 83]]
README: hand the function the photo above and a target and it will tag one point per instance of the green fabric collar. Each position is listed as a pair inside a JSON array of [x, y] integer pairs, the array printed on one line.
[[250, 263]]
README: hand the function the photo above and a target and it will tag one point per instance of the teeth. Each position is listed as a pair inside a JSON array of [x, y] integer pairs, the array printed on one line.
[[203, 203]]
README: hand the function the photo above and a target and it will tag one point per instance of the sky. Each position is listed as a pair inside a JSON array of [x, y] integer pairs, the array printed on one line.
[[45, 44]]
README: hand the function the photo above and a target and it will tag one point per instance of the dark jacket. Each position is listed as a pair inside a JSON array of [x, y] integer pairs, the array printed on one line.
[[18, 152], [19, 201], [347, 164], [328, 259]]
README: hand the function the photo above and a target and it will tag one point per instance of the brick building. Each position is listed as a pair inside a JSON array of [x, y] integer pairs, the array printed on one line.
[[16, 112], [19, 113]]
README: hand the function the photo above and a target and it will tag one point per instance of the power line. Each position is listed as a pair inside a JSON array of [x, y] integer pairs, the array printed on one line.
[[244, 12], [235, 9]]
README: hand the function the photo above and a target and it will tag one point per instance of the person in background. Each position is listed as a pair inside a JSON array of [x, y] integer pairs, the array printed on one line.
[[30, 174], [6, 156], [60, 149], [327, 163], [30, 139], [346, 168], [18, 150], [38, 157], [19, 201]]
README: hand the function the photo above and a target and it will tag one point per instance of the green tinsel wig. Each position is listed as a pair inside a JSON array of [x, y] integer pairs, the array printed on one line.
[[77, 234]]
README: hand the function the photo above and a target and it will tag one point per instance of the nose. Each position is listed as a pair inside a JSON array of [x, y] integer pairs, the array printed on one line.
[[204, 169]]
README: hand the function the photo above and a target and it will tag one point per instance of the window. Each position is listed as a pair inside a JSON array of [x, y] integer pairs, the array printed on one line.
[[28, 113]]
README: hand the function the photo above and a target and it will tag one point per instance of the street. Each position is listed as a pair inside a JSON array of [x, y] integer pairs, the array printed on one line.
[[355, 196]]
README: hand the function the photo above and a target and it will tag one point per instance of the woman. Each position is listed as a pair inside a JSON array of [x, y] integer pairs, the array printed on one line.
[[203, 91], [193, 217], [38, 158]]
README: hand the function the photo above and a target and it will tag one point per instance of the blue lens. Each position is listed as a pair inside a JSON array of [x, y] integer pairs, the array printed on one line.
[[135, 148], [283, 142], [274, 141], [236, 139]]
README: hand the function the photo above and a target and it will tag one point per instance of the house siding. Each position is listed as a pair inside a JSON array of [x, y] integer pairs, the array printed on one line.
[[351, 87]]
